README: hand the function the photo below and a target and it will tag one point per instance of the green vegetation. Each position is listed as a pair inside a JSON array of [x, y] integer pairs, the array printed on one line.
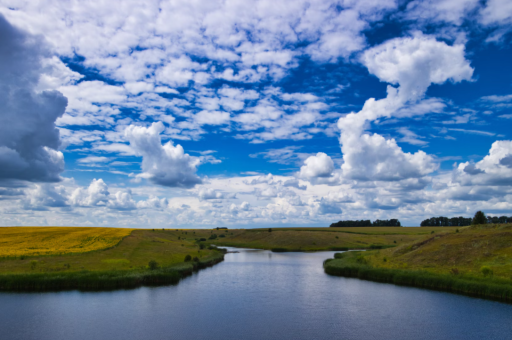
[[476, 261], [479, 218], [315, 239], [366, 223], [144, 257]]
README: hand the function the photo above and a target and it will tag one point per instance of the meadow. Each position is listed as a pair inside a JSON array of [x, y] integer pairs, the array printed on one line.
[[475, 260], [316, 239], [41, 261]]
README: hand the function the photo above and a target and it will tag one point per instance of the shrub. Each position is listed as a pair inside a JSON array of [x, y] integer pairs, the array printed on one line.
[[269, 230], [432, 232], [212, 237], [457, 230], [201, 246], [361, 259], [376, 246], [336, 237], [33, 265], [153, 265], [454, 271], [196, 259], [385, 259], [479, 218], [222, 235], [202, 239], [188, 258], [486, 271]]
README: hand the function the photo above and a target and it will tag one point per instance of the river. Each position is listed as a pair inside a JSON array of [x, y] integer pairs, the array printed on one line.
[[255, 294]]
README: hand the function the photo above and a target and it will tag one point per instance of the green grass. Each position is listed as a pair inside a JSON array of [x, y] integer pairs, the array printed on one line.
[[315, 239], [476, 261], [121, 266]]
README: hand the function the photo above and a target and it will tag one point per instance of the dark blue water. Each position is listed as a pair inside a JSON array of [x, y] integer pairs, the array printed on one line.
[[256, 295]]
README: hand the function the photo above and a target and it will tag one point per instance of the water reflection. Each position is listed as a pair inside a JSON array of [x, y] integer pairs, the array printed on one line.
[[256, 294]]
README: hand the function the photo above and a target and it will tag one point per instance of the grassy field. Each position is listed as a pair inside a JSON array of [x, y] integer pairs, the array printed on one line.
[[30, 241], [120, 264], [476, 260], [314, 239]]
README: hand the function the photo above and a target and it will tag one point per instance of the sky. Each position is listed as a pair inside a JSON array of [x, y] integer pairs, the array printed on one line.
[[253, 113]]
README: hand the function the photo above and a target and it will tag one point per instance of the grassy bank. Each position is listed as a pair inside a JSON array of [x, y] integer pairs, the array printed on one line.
[[316, 239], [474, 261], [125, 265]]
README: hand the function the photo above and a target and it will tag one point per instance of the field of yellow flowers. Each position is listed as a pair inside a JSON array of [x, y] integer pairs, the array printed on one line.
[[33, 241]]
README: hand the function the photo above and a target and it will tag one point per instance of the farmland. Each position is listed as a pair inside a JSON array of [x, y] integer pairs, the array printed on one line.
[[32, 241], [121, 255]]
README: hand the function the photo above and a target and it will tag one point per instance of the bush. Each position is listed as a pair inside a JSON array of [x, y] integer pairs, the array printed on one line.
[[479, 218], [202, 239], [486, 271], [201, 246], [33, 265], [361, 259], [269, 230], [212, 237], [222, 235], [188, 258], [153, 265], [196, 259]]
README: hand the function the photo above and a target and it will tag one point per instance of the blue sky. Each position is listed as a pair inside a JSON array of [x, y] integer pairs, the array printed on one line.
[[251, 113]]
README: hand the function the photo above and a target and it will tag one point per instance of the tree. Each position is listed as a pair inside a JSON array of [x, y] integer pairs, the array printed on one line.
[[188, 258], [479, 218], [153, 265], [269, 230]]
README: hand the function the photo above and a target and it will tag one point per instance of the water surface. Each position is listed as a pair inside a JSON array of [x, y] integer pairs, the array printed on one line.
[[256, 295]]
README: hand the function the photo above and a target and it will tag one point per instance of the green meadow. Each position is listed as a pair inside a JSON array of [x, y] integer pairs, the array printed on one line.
[[475, 260]]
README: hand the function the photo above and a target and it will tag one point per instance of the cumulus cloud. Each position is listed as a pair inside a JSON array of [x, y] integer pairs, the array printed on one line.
[[495, 169], [412, 63], [166, 165], [320, 165], [96, 194], [29, 139], [44, 196]]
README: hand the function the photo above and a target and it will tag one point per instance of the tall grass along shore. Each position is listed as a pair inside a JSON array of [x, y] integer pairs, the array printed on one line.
[[475, 261]]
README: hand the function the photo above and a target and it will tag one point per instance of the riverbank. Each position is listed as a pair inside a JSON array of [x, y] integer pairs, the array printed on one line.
[[105, 280], [475, 261], [143, 257], [324, 239]]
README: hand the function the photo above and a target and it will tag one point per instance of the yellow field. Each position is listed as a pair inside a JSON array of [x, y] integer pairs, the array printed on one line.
[[32, 241]]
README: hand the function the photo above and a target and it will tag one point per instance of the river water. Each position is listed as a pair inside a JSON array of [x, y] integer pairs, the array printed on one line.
[[255, 294]]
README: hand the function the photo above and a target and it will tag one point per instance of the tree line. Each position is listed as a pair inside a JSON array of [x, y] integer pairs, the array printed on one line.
[[460, 221], [367, 223]]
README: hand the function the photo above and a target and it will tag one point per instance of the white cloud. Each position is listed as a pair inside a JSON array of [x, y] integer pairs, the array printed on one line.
[[493, 169], [412, 63], [320, 165], [166, 165], [96, 194], [452, 11]]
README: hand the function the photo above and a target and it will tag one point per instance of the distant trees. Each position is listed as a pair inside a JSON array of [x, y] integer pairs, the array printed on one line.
[[479, 218], [464, 221], [367, 223], [442, 221]]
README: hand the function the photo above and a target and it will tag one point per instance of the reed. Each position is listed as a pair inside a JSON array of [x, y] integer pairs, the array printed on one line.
[[349, 265], [104, 280]]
